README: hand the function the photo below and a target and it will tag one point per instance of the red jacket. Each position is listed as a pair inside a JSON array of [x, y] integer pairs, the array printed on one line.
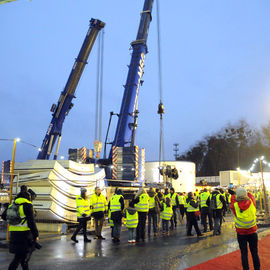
[[244, 205]]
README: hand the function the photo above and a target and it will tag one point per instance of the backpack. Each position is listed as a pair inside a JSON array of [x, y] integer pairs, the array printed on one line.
[[213, 202], [13, 215]]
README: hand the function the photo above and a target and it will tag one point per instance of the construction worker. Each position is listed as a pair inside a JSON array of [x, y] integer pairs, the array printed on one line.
[[142, 205], [98, 204], [243, 206], [116, 207], [228, 201], [153, 211], [110, 221], [166, 193], [257, 197], [205, 211], [132, 220], [186, 206], [166, 215], [175, 203], [23, 236], [216, 205], [224, 209], [160, 199], [181, 199], [197, 194], [83, 215], [192, 207]]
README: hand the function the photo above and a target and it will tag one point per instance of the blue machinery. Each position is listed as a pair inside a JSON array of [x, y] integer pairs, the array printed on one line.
[[127, 118], [127, 122], [64, 105]]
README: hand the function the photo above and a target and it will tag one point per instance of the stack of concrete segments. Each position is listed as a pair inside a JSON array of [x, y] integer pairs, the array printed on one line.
[[57, 183]]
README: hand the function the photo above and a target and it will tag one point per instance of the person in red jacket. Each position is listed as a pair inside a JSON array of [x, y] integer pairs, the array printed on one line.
[[243, 205]]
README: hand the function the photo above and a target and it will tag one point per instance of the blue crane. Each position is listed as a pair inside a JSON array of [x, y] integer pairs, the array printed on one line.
[[127, 121], [64, 105]]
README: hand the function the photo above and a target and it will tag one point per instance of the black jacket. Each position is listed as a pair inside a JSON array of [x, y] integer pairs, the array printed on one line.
[[192, 202], [23, 241], [217, 213]]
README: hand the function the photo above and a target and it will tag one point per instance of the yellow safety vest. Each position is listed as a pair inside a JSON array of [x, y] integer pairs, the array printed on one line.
[[181, 199], [173, 199], [23, 226], [143, 204], [82, 206], [258, 194], [152, 201], [245, 219], [167, 212], [115, 204], [203, 197], [110, 219], [224, 195], [167, 195], [185, 201], [132, 220], [99, 203], [229, 198], [219, 202], [191, 208]]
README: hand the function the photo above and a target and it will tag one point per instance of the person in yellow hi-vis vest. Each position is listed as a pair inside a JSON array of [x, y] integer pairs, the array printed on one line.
[[132, 220], [175, 204], [205, 211], [110, 221], [243, 206], [192, 207], [166, 215], [153, 211], [22, 228], [181, 199], [116, 207], [98, 204], [216, 204], [83, 215], [142, 205]]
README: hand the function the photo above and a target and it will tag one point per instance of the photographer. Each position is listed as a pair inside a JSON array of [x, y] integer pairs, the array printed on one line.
[[24, 235]]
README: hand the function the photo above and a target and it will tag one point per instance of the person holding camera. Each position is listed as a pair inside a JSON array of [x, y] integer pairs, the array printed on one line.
[[23, 234]]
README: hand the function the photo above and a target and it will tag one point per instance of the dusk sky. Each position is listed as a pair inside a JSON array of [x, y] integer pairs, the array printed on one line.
[[216, 69]]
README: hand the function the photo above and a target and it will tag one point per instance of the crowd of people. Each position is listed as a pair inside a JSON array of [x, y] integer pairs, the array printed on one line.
[[162, 209]]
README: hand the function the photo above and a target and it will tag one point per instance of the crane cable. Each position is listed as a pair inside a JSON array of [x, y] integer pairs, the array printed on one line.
[[161, 110], [99, 88]]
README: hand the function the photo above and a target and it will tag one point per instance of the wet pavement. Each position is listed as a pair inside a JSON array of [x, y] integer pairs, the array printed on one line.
[[176, 251]]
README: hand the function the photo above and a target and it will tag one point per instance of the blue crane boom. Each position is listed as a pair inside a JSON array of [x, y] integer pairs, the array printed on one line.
[[61, 110], [127, 121]]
